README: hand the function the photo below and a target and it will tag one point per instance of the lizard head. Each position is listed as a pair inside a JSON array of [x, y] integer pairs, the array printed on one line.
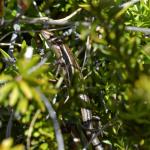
[[49, 36]]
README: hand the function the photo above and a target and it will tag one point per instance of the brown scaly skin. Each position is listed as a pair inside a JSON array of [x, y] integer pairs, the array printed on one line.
[[65, 56]]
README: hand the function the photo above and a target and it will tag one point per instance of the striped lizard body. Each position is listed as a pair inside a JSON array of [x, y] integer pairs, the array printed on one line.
[[65, 57], [62, 53]]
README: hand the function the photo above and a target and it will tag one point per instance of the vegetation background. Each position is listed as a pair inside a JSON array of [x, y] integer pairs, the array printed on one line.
[[111, 42]]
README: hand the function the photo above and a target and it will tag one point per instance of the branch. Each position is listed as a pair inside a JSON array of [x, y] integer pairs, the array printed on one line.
[[53, 116], [14, 36], [10, 124], [8, 44], [31, 128], [138, 29], [13, 40], [128, 4], [45, 20]]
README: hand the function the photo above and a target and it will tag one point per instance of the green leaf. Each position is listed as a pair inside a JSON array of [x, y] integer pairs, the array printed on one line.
[[23, 48], [14, 96], [85, 6], [25, 89], [5, 90], [43, 146], [107, 142], [23, 45], [5, 54], [7, 144], [4, 78], [22, 105], [24, 64]]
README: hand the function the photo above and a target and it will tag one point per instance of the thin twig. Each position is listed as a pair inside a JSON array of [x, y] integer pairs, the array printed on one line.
[[87, 52], [8, 44], [31, 128], [10, 124], [36, 31], [97, 134], [138, 29], [129, 3]]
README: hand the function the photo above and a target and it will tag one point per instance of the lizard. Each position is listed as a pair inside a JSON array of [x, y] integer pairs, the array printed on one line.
[[65, 57]]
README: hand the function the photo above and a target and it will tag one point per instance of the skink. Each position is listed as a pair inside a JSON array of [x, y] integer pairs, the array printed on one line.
[[65, 56]]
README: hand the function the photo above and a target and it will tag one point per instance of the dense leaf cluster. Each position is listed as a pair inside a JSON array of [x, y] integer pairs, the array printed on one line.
[[114, 60]]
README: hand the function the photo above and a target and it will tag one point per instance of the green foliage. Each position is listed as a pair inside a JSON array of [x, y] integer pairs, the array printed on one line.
[[20, 88], [8, 145], [115, 66], [138, 14]]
